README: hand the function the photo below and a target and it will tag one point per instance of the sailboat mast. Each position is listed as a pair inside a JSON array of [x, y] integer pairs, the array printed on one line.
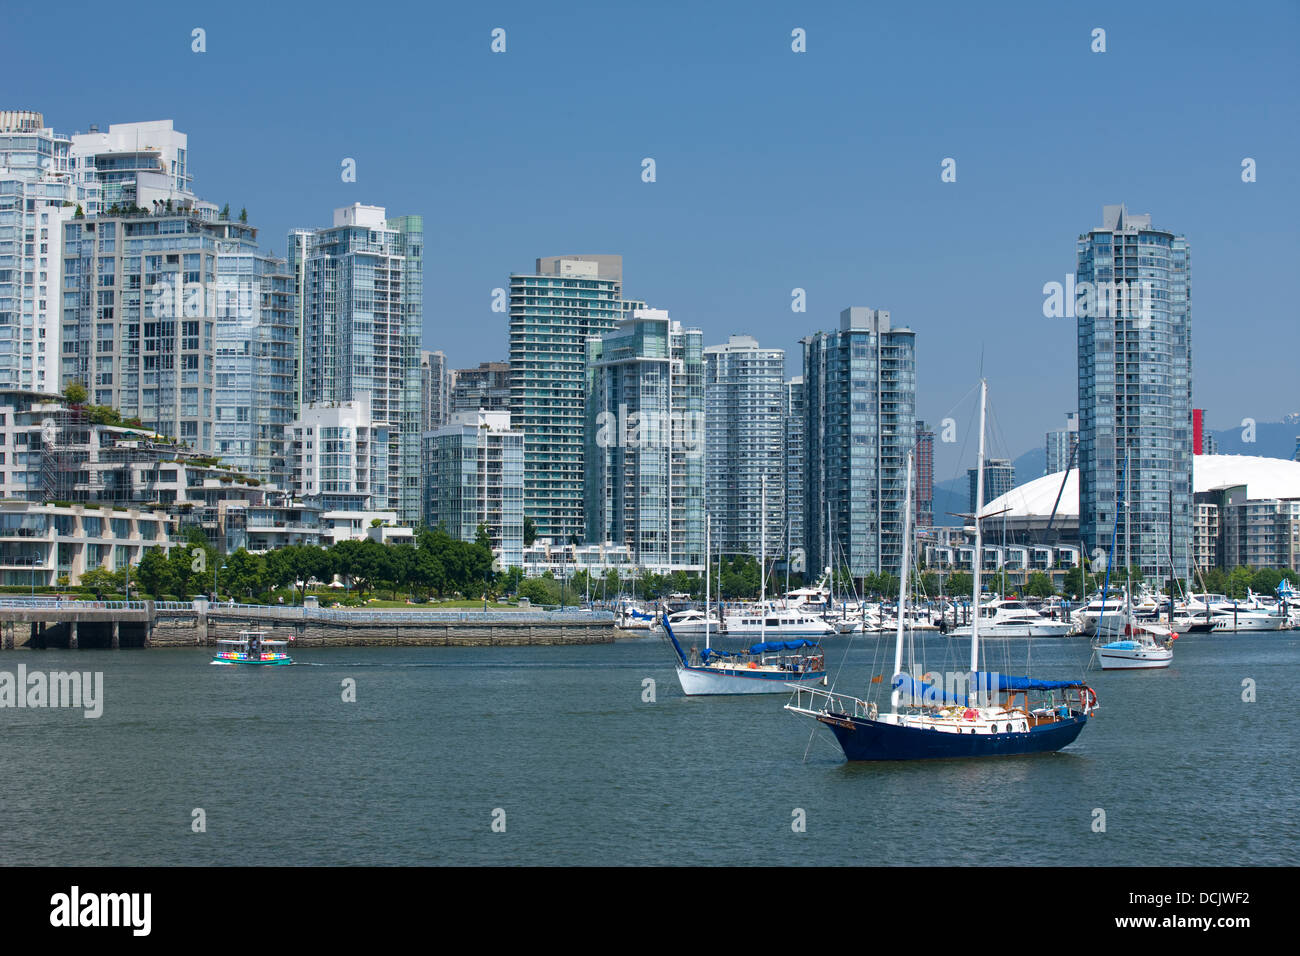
[[979, 539], [708, 525], [762, 557], [1128, 522], [902, 583], [1172, 573]]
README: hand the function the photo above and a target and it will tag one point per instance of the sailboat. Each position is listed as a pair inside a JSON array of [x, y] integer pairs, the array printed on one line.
[[767, 667], [930, 722], [1138, 646]]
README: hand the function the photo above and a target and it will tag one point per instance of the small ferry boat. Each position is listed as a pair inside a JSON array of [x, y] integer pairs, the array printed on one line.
[[251, 647]]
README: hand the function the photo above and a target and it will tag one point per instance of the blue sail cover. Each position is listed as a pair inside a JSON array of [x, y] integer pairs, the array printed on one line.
[[984, 684], [1005, 682], [770, 646], [916, 690], [710, 652]]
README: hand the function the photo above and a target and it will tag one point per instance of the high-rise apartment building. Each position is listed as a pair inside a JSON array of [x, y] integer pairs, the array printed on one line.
[[361, 286], [745, 398], [255, 370], [999, 478], [861, 389], [136, 166], [37, 195], [475, 465], [1135, 374], [1062, 446], [924, 476], [796, 407], [644, 455], [140, 315], [486, 387], [553, 313], [435, 390]]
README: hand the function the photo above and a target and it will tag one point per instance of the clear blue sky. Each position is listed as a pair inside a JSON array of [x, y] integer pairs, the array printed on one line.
[[775, 170]]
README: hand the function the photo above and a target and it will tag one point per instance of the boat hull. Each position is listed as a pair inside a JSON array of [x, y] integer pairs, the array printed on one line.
[[701, 681], [863, 739], [755, 632], [1139, 658], [232, 662], [1051, 629]]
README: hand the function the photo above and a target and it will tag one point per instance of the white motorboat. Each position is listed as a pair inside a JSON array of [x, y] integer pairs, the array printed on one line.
[[776, 623], [1002, 618], [693, 622]]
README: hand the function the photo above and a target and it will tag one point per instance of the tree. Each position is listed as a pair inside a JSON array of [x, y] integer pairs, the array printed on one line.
[[513, 577], [1040, 585], [102, 581], [153, 573], [182, 579], [540, 591], [1073, 583], [530, 531], [243, 215], [75, 393], [225, 212], [959, 584], [245, 573]]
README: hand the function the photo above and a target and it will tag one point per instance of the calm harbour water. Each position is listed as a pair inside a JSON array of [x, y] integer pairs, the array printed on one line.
[[588, 773]]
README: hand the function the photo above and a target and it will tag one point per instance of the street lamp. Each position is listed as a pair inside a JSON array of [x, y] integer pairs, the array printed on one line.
[[214, 581], [35, 557]]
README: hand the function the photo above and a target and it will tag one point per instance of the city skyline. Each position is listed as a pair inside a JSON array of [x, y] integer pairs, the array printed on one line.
[[766, 190]]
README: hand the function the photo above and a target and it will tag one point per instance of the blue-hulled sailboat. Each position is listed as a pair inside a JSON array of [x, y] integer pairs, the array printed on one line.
[[974, 720]]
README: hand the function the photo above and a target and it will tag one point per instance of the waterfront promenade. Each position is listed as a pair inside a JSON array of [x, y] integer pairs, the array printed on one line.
[[53, 623]]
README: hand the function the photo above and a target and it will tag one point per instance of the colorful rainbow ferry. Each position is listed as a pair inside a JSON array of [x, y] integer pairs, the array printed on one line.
[[251, 647]]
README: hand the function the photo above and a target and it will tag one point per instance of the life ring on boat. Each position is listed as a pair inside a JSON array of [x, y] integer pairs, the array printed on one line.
[[1088, 698], [753, 664]]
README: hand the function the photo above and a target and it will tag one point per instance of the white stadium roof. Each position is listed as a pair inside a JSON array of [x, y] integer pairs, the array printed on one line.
[[1263, 478]]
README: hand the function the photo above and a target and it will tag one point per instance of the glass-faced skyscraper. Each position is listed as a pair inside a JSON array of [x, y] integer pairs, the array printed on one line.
[[254, 403], [860, 384], [644, 456], [552, 315], [36, 191], [745, 411], [1135, 381], [1063, 445], [361, 294]]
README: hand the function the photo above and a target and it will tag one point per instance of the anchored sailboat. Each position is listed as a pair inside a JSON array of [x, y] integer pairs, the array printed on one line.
[[1138, 645], [765, 668], [928, 722]]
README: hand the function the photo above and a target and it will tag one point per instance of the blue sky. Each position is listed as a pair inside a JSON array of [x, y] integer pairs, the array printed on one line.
[[775, 170]]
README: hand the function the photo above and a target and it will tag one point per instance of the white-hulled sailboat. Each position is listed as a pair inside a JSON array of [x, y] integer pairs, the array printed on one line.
[[765, 668]]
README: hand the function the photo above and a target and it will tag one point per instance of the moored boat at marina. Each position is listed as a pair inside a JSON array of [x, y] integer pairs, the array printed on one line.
[[1009, 618]]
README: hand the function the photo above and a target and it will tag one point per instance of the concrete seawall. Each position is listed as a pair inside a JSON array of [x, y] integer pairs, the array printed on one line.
[[182, 633], [76, 625]]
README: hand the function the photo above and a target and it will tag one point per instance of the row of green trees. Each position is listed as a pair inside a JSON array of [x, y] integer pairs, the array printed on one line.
[[434, 566]]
